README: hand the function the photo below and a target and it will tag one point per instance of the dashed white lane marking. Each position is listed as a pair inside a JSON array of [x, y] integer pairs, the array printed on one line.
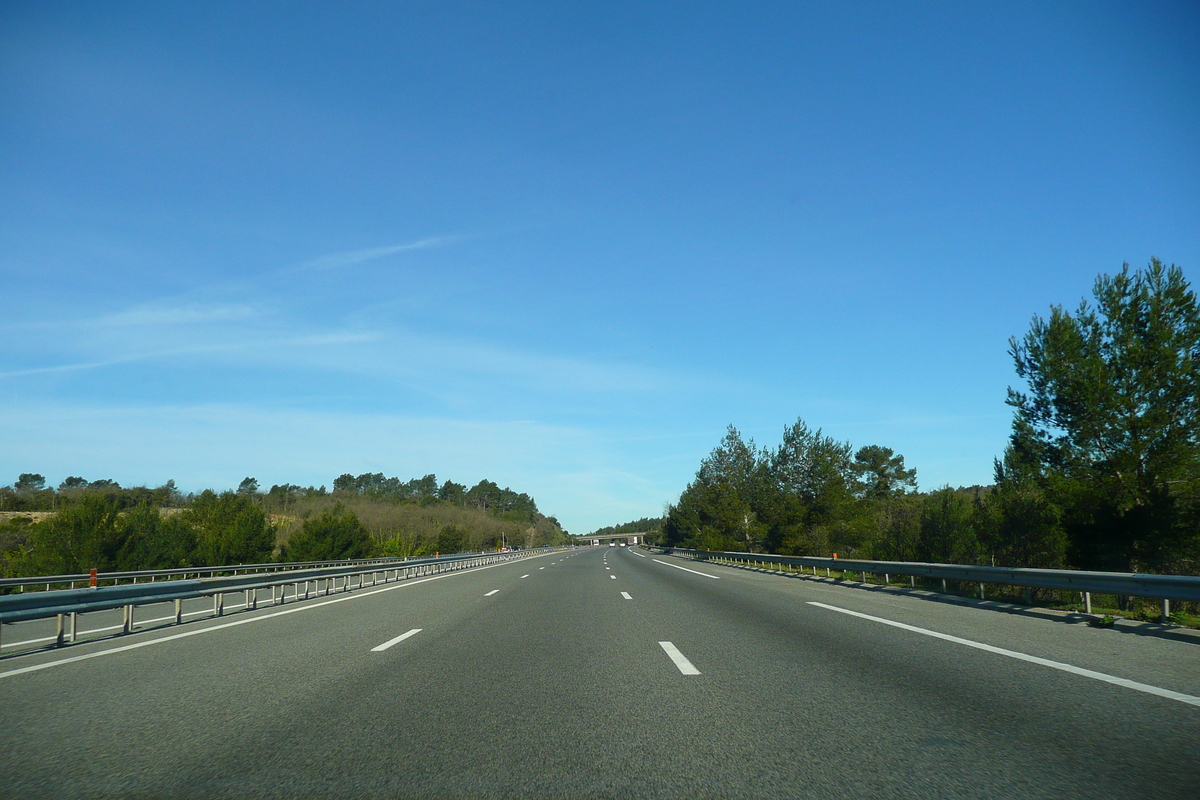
[[614, 577], [1045, 662], [541, 567], [685, 569], [397, 640], [492, 592], [608, 567], [627, 595], [525, 576], [685, 666]]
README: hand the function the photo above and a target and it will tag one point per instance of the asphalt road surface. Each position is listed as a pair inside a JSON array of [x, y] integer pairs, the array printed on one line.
[[607, 672]]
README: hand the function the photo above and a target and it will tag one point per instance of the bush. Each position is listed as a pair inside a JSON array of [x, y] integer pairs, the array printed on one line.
[[332, 535]]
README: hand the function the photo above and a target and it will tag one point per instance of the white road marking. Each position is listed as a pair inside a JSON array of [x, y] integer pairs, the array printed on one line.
[[492, 592], [627, 595], [685, 666], [636, 553], [608, 567], [397, 640], [685, 569], [1045, 662], [541, 567], [524, 576], [296, 609], [614, 577]]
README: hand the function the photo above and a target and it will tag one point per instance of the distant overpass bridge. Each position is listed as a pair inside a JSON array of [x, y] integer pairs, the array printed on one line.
[[633, 537]]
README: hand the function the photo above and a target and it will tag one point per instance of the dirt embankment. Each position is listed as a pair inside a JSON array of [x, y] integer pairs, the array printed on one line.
[[34, 516], [39, 516]]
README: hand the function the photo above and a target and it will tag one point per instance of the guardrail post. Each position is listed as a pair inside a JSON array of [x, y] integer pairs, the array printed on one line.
[[1087, 602], [886, 579], [912, 581], [60, 631], [218, 604], [74, 625], [178, 611], [944, 590], [981, 591], [1166, 610], [127, 622]]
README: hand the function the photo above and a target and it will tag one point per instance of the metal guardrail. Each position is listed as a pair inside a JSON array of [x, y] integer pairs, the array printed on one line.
[[151, 575], [67, 604], [1163, 588]]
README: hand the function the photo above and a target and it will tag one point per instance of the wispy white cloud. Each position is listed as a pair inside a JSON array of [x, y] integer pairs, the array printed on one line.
[[192, 313], [264, 345], [352, 257]]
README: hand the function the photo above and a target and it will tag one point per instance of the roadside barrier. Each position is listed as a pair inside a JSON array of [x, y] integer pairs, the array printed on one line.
[[67, 604], [1163, 588]]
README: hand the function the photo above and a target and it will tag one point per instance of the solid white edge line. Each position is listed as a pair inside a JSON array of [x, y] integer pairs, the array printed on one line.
[[685, 569], [305, 606], [685, 666], [627, 595], [639, 555], [1045, 662], [397, 640], [492, 592]]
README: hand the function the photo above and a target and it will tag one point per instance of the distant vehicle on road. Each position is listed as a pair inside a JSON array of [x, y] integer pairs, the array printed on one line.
[[612, 544]]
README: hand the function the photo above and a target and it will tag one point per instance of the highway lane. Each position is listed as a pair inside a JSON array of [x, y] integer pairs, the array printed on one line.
[[557, 684]]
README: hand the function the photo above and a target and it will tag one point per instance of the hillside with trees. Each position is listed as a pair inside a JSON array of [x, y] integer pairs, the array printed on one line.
[[84, 524], [1101, 471]]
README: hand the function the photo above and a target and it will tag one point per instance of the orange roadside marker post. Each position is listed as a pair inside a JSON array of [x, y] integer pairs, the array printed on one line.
[[92, 578]]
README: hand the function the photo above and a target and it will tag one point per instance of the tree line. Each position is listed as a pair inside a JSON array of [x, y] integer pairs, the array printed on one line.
[[99, 524], [1101, 470]]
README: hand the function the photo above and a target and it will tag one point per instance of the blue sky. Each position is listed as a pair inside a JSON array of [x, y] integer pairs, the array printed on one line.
[[560, 246]]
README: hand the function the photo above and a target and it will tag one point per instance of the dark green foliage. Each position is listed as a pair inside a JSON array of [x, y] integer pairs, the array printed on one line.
[[334, 534], [82, 536], [450, 539], [795, 498], [30, 482], [1109, 428], [230, 529], [148, 540], [880, 473], [948, 529]]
